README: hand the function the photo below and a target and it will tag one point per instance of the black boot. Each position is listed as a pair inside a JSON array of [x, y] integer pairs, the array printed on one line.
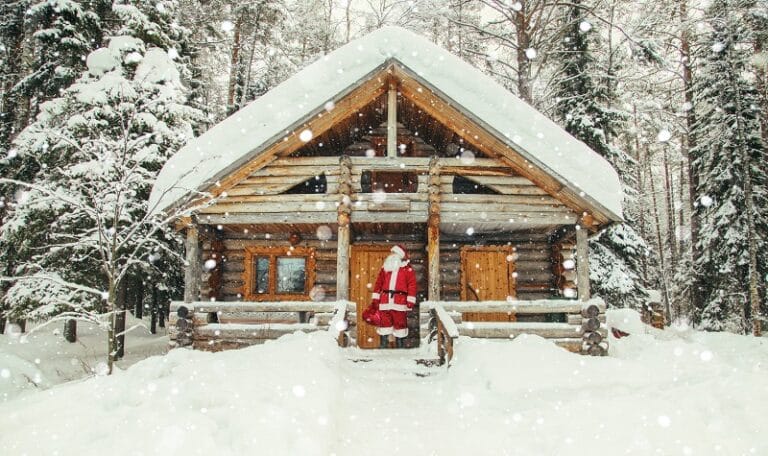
[[383, 341], [400, 342]]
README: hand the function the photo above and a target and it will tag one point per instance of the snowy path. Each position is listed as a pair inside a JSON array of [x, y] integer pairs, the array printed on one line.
[[661, 394]]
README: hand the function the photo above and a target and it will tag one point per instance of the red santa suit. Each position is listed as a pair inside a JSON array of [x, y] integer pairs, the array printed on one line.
[[395, 293]]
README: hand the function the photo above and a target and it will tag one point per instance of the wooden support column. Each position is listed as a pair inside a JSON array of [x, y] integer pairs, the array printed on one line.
[[344, 210], [392, 120], [433, 230], [582, 261], [192, 270]]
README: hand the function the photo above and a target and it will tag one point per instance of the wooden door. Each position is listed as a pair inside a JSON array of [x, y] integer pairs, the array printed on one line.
[[487, 274], [364, 266]]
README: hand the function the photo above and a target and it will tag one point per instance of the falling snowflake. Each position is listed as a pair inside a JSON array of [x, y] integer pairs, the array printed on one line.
[[664, 421], [329, 106], [370, 153], [664, 135], [467, 157], [12, 153], [530, 53], [706, 201], [210, 264], [585, 26], [517, 6], [5, 373], [173, 54], [379, 197], [227, 26], [718, 47], [569, 264], [324, 232], [706, 355], [299, 391], [470, 231], [306, 135], [687, 106]]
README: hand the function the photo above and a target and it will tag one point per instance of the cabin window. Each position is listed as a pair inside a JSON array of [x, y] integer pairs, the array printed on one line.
[[278, 273], [316, 184], [388, 182], [464, 186]]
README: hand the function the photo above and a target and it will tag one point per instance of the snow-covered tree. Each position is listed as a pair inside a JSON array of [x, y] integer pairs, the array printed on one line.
[[732, 192], [82, 220], [585, 105]]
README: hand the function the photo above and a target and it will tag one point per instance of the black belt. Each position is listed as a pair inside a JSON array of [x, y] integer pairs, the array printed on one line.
[[395, 292]]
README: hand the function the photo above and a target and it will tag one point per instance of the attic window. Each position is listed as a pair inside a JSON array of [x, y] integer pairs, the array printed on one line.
[[317, 184], [388, 182], [462, 185]]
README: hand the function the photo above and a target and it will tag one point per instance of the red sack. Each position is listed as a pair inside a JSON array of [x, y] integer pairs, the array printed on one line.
[[372, 316]]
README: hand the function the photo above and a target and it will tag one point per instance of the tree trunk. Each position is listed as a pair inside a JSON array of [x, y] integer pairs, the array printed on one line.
[[153, 312], [660, 244], [138, 299], [743, 145], [234, 64], [669, 194], [523, 63], [688, 143], [120, 322], [70, 330]]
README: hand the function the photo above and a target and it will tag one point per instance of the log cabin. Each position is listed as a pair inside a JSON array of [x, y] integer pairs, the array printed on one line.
[[290, 205]]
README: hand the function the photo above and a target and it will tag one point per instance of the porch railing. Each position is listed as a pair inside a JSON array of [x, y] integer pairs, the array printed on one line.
[[217, 326], [574, 325]]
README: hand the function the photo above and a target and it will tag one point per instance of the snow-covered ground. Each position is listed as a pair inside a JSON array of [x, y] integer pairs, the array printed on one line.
[[42, 358], [675, 392]]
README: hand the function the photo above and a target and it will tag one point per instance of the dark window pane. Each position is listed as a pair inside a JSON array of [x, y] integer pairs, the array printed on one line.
[[290, 274], [261, 264]]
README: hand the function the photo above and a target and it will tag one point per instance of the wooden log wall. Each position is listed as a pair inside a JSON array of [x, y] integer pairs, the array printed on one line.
[[231, 256]]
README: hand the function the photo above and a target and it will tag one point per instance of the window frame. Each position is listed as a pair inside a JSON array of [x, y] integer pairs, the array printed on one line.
[[273, 253]]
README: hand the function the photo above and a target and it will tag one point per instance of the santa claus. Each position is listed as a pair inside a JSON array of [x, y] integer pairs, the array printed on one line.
[[394, 294]]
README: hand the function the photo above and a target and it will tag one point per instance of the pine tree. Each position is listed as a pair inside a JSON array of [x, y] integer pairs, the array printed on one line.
[[80, 222], [584, 105], [64, 33], [729, 161]]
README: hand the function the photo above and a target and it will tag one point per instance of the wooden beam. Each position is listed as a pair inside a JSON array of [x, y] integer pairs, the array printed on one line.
[[433, 230], [392, 120], [582, 262], [192, 269], [343, 219]]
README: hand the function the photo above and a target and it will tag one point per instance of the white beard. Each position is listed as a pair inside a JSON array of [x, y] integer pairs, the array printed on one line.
[[393, 263]]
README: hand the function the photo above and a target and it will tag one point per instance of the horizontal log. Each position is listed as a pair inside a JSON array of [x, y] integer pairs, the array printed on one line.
[[518, 307], [576, 319], [296, 170], [273, 207], [497, 330], [258, 317], [256, 219], [253, 306], [501, 207], [263, 331]]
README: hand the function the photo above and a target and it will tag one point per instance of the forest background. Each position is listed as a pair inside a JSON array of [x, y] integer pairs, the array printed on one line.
[[96, 95]]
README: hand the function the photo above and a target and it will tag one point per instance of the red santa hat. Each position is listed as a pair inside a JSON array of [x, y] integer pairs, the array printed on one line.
[[400, 251]]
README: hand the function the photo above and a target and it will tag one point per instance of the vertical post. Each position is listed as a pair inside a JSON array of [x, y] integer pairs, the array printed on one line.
[[392, 120], [344, 211], [433, 230], [582, 262], [192, 270]]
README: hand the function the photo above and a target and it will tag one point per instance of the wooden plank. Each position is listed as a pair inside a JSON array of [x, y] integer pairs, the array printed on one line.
[[502, 330], [433, 231], [259, 306], [192, 270], [245, 331], [519, 306], [259, 219], [272, 207], [343, 232], [582, 263], [392, 120]]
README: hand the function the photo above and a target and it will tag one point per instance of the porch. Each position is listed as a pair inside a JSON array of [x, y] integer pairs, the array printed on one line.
[[574, 325]]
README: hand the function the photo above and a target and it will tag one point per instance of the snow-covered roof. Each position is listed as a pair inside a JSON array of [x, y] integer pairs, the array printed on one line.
[[239, 138]]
